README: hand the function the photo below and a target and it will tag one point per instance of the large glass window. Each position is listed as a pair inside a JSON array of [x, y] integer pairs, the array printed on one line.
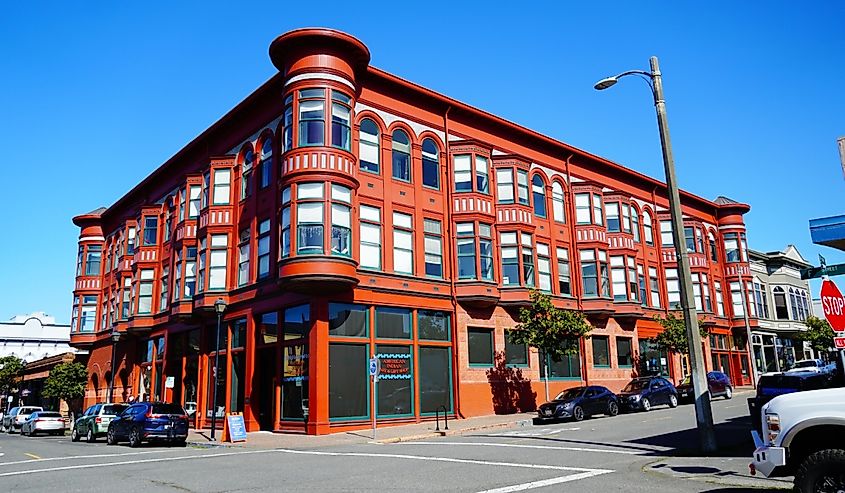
[[463, 173], [368, 147], [92, 260], [601, 351], [558, 210], [294, 381], [341, 221], [348, 381], [309, 217], [263, 249], [515, 354], [435, 372], [311, 117], [268, 328], [395, 387], [150, 231], [217, 262], [393, 323], [433, 326], [403, 243], [466, 250], [246, 173], [510, 259], [480, 347], [538, 191], [370, 235], [266, 166], [433, 248], [401, 156], [347, 320], [222, 185], [624, 356], [568, 367], [341, 115], [504, 185], [430, 164]]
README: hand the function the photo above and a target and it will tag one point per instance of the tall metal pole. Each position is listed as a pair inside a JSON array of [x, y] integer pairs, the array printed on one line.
[[703, 412], [113, 372], [216, 376]]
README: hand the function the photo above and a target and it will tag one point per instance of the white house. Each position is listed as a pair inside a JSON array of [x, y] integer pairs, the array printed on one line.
[[33, 337]]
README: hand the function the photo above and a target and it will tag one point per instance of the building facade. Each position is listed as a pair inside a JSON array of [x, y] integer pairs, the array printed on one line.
[[342, 214], [34, 336], [781, 302]]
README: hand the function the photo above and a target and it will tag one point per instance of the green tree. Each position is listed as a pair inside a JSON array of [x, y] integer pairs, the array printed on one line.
[[674, 336], [66, 382], [11, 370], [819, 334], [553, 330]]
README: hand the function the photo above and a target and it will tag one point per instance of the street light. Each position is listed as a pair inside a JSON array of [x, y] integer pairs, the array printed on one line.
[[703, 412], [115, 337], [219, 307]]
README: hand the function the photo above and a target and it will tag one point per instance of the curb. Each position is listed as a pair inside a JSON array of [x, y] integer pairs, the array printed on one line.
[[212, 445], [434, 434]]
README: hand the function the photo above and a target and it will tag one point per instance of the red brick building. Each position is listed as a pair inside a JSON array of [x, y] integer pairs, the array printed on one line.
[[344, 213]]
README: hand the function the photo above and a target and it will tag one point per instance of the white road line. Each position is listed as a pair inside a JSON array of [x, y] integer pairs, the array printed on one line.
[[516, 445], [546, 482], [74, 457], [536, 433]]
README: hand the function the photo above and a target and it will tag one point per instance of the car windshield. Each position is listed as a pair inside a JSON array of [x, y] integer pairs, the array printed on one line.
[[806, 364], [28, 410], [635, 386], [168, 409], [49, 415], [114, 408], [570, 393]]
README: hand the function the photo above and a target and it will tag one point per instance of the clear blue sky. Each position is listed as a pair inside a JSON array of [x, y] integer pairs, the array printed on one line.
[[93, 98]]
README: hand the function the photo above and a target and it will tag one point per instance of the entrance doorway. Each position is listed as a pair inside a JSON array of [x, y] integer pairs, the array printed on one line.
[[265, 391]]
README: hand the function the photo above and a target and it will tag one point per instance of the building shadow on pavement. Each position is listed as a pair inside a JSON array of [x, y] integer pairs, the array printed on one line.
[[732, 436], [512, 392]]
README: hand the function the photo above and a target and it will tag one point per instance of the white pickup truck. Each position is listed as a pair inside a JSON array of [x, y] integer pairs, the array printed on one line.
[[803, 434]]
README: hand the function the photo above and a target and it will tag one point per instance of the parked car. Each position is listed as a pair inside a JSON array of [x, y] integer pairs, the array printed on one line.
[[771, 385], [812, 365], [50, 422], [94, 422], [149, 421], [579, 403], [803, 435], [646, 392], [17, 416], [718, 384]]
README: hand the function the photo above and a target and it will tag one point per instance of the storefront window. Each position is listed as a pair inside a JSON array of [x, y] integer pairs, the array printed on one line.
[[393, 323], [348, 381], [347, 320], [295, 381], [435, 379], [653, 361], [394, 392], [433, 326], [297, 321], [269, 327]]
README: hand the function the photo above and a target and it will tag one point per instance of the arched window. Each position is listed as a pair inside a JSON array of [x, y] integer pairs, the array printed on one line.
[[795, 303], [647, 231], [635, 224], [714, 256], [266, 162], [557, 203], [781, 310], [430, 164], [368, 149], [401, 156], [246, 173], [538, 191]]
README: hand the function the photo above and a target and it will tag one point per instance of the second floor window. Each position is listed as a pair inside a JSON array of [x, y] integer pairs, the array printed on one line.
[[544, 267], [341, 116], [433, 248], [538, 191], [403, 243], [370, 235], [263, 241], [595, 279], [217, 262], [145, 292], [309, 217], [401, 156], [654, 287], [563, 275], [92, 260], [243, 257], [368, 146], [341, 221], [190, 271], [430, 164], [673, 289], [150, 230]]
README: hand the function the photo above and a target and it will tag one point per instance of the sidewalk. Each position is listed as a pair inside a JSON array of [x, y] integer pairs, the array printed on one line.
[[391, 434]]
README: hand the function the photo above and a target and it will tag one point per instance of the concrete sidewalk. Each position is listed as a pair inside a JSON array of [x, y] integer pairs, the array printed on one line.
[[387, 434]]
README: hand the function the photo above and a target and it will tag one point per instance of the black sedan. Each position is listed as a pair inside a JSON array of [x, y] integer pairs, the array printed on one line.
[[579, 403], [646, 392], [718, 384]]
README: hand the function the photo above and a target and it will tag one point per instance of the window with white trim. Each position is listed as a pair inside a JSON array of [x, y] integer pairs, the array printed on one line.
[[673, 289], [162, 305], [504, 185], [654, 287], [246, 175], [558, 209], [544, 267], [263, 241], [720, 305], [194, 201], [564, 285], [368, 146], [341, 221], [243, 257], [403, 243], [433, 243], [736, 299], [666, 239], [647, 228], [217, 262], [145, 291], [191, 271], [341, 120], [201, 263], [309, 217], [430, 164], [222, 178], [401, 156], [177, 276], [312, 117], [284, 234], [370, 236]]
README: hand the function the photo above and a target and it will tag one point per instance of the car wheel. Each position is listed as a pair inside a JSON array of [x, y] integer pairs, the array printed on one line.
[[90, 436], [74, 435], [821, 471], [612, 408], [729, 392], [673, 400], [646, 404], [578, 413], [135, 438], [111, 439]]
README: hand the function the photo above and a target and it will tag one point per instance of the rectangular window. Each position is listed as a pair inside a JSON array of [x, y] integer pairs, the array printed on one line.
[[370, 235], [403, 243], [243, 257], [582, 208], [632, 278], [394, 391], [92, 260], [731, 243], [284, 233], [642, 285], [150, 230], [435, 370], [705, 288], [348, 320], [673, 289], [126, 298], [88, 321], [269, 328], [177, 276], [145, 292], [190, 271], [433, 248], [194, 203], [162, 305], [296, 322], [601, 351], [485, 251], [589, 274], [626, 218], [311, 117], [611, 211], [522, 186], [654, 287], [348, 387], [515, 354], [341, 221], [206, 184], [482, 182], [466, 250], [287, 129], [263, 249], [504, 185], [624, 356], [341, 128], [527, 260], [480, 347], [605, 274], [720, 305], [463, 173], [217, 262], [393, 323], [635, 228], [182, 200], [689, 239], [222, 186], [736, 300], [696, 293], [617, 274], [266, 165], [309, 218], [563, 275], [433, 326], [246, 175], [666, 234], [598, 220], [568, 367], [510, 259], [544, 268]]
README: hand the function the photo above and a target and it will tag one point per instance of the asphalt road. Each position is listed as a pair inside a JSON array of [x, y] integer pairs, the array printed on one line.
[[599, 454]]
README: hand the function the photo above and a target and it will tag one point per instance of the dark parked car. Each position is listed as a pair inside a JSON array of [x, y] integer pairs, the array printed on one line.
[[718, 383], [149, 421], [771, 385], [579, 403], [646, 392]]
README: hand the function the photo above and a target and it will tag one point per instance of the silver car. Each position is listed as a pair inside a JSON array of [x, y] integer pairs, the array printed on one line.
[[49, 422], [17, 416]]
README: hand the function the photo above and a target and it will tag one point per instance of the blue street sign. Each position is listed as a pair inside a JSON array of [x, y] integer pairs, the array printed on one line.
[[373, 367]]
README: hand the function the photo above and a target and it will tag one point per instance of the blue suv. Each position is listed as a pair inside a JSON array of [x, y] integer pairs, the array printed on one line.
[[149, 421], [646, 392]]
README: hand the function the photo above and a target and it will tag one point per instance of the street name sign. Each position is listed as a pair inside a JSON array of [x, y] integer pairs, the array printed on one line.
[[833, 304], [825, 270]]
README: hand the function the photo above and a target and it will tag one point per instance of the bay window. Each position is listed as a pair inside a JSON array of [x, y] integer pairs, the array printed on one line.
[[222, 185], [92, 260], [206, 184], [287, 124], [510, 259], [80, 256], [430, 164], [341, 116], [666, 240], [217, 262], [617, 276], [597, 210], [626, 217], [468, 166], [126, 298], [370, 235], [309, 218], [611, 212], [642, 284], [403, 243], [311, 117], [632, 278], [563, 275], [589, 209], [368, 146], [720, 305], [485, 251], [522, 186], [714, 256], [150, 231], [183, 197], [689, 239], [504, 185], [558, 209], [88, 320], [731, 244], [191, 271], [284, 234], [595, 279], [246, 174], [463, 173], [162, 305], [544, 268], [781, 310], [401, 156], [466, 250], [433, 243], [266, 165], [263, 249], [194, 201], [527, 260], [482, 180], [145, 291], [635, 225], [341, 221], [673, 289], [736, 299], [243, 257], [177, 276]]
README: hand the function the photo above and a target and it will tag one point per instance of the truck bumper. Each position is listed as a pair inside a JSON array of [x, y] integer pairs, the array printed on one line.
[[766, 458]]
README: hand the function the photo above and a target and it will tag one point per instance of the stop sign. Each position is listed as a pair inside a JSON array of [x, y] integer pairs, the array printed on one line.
[[833, 305]]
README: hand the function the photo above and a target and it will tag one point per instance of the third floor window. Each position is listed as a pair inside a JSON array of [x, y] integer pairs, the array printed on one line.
[[471, 173]]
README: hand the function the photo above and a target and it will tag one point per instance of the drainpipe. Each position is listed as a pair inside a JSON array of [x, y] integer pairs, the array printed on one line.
[[575, 287], [450, 233]]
